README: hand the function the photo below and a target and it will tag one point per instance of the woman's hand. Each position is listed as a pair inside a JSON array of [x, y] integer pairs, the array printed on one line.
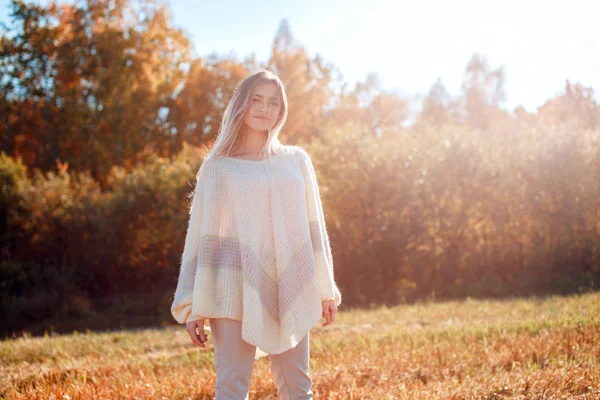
[[199, 337], [329, 310]]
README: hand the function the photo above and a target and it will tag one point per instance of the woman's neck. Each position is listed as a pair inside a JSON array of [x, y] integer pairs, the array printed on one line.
[[253, 141]]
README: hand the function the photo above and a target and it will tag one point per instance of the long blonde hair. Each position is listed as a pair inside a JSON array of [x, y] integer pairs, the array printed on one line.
[[229, 138]]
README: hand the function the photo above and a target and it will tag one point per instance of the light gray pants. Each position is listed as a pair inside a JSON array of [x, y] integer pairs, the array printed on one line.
[[234, 359]]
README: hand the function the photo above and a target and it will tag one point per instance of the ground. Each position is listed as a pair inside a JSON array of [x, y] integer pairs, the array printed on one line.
[[474, 349]]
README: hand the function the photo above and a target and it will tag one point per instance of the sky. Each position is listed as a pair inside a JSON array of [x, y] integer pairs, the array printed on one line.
[[410, 44]]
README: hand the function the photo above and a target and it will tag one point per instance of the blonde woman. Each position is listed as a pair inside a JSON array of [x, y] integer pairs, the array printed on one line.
[[257, 262]]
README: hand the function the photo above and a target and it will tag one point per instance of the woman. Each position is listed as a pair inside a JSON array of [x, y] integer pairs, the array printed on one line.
[[256, 262]]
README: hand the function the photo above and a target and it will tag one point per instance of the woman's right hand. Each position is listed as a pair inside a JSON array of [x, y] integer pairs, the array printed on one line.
[[198, 336]]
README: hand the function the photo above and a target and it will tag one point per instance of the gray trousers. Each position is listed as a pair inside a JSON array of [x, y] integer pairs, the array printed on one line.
[[234, 359]]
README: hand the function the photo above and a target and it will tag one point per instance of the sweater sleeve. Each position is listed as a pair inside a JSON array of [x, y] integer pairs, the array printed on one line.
[[182, 303], [318, 233]]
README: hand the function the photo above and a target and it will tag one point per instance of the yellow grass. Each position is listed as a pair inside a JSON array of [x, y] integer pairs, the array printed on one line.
[[518, 349]]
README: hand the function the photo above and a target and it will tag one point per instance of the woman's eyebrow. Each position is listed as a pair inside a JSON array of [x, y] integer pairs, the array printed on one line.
[[261, 96]]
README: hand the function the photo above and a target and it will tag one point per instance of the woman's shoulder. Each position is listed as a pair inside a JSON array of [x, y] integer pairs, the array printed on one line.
[[290, 152], [298, 151], [213, 161], [208, 167]]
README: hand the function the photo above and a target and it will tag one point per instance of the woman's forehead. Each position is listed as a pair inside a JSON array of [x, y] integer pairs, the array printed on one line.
[[266, 89]]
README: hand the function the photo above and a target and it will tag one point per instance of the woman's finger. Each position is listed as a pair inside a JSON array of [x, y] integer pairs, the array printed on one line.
[[332, 311], [202, 334], [197, 338], [327, 316]]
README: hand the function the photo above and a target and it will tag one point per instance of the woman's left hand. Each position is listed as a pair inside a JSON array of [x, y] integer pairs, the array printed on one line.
[[329, 310]]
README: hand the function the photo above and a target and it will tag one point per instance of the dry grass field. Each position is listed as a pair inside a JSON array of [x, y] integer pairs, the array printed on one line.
[[536, 348]]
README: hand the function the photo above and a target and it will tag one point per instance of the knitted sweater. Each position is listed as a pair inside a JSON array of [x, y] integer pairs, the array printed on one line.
[[257, 249]]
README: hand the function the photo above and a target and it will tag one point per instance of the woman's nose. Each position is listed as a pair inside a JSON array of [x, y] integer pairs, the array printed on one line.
[[264, 108]]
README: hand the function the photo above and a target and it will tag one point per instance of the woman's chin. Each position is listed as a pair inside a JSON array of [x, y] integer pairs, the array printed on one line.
[[259, 127]]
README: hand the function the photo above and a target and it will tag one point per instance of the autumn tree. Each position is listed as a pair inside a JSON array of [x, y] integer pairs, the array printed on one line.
[[90, 82], [577, 106], [307, 83], [26, 74], [368, 104], [483, 92], [439, 107], [197, 111]]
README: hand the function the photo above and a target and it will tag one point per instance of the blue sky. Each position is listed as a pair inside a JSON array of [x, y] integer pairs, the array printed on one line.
[[410, 44]]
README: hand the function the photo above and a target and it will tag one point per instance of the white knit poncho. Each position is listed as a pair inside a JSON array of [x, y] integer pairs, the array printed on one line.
[[257, 249]]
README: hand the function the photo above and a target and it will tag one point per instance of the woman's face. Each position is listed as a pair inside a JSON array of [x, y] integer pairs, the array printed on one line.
[[265, 106]]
